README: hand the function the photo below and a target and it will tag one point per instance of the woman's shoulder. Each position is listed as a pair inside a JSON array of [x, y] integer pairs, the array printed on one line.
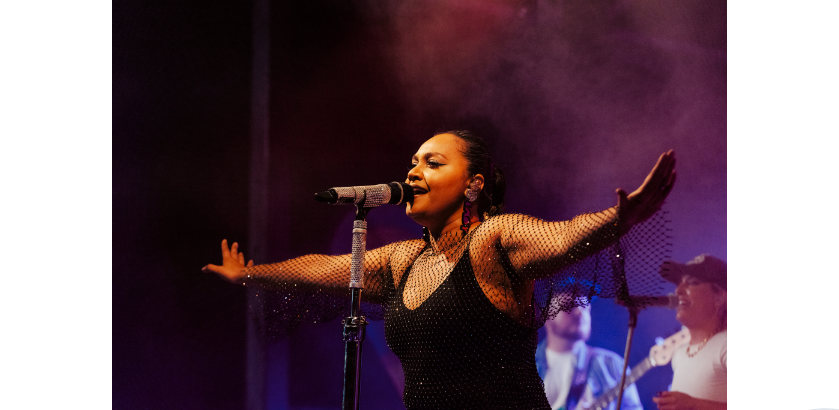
[[498, 227], [506, 221], [505, 218]]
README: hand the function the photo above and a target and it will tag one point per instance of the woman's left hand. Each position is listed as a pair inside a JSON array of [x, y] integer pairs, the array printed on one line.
[[648, 198]]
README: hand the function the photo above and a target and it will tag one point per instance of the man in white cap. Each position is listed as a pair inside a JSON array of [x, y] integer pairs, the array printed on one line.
[[699, 370]]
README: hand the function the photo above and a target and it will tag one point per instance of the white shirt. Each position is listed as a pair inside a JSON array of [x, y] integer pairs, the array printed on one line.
[[704, 375], [558, 379], [558, 376]]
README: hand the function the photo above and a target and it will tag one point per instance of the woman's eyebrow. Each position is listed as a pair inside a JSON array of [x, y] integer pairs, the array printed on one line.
[[428, 155], [431, 154]]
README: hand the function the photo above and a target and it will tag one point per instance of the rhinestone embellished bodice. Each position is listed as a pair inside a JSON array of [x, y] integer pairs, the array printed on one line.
[[444, 345]]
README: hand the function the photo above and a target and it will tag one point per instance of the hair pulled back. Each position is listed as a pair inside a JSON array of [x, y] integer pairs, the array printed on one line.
[[476, 152]]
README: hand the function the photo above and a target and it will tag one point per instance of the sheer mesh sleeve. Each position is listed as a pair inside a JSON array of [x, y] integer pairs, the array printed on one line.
[[538, 249], [315, 288], [595, 261]]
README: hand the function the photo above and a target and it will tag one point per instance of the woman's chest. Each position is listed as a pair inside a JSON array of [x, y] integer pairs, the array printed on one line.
[[475, 277]]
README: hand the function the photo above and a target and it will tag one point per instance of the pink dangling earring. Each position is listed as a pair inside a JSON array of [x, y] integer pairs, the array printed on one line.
[[466, 216]]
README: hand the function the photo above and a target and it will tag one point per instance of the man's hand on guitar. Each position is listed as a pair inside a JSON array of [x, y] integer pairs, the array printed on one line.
[[673, 400]]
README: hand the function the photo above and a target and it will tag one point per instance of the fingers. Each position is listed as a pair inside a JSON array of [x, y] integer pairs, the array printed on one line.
[[671, 167], [659, 182], [665, 401], [663, 168], [622, 198], [665, 163], [250, 263], [667, 188], [661, 402], [661, 397], [232, 252], [211, 268], [225, 252]]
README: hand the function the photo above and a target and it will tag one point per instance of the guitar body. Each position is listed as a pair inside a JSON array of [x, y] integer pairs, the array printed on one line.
[[660, 355]]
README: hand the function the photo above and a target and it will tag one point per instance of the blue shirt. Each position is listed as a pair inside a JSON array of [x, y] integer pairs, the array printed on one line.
[[603, 373]]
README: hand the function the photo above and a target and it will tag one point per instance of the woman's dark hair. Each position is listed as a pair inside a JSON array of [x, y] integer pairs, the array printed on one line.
[[476, 152]]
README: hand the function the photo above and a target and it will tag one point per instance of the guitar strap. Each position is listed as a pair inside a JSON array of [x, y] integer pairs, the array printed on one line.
[[580, 380]]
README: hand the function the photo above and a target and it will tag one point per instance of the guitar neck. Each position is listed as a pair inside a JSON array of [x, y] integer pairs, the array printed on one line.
[[604, 399]]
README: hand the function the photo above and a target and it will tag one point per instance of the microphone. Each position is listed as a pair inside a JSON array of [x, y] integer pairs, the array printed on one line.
[[670, 301], [394, 193]]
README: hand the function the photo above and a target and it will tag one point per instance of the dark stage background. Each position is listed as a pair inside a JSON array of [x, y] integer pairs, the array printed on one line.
[[576, 98]]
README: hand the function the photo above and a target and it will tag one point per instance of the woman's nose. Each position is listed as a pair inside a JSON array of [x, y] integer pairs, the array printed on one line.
[[414, 175]]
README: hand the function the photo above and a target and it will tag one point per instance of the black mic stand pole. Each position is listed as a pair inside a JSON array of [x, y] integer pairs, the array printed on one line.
[[633, 321], [619, 264], [354, 325]]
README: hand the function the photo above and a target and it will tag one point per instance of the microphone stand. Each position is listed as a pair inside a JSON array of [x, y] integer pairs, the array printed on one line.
[[633, 321], [619, 264], [355, 325]]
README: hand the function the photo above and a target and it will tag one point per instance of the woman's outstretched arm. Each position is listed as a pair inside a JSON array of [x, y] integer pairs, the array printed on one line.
[[324, 272], [538, 249]]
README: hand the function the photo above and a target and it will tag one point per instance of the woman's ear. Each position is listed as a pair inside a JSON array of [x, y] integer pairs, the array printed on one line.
[[477, 182]]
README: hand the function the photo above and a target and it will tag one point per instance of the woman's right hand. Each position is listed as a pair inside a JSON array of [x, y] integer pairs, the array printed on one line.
[[232, 265], [645, 201]]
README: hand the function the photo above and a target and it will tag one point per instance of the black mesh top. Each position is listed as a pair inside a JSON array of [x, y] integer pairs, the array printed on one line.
[[445, 345]]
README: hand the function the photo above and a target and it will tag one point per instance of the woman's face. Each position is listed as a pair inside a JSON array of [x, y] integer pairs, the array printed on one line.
[[440, 177], [699, 302]]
